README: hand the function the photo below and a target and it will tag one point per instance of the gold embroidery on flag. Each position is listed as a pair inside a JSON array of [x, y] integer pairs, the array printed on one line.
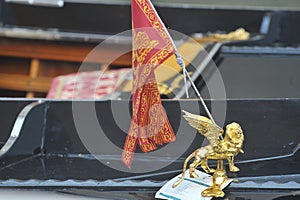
[[150, 125]]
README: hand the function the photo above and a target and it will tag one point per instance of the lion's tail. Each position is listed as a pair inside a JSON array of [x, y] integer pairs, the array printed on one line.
[[183, 170]]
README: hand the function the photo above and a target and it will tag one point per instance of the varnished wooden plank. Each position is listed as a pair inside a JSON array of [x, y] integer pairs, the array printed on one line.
[[14, 65], [24, 83], [65, 51]]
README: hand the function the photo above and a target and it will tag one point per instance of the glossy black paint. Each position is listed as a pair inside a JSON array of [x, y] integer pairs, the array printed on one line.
[[65, 157], [92, 18]]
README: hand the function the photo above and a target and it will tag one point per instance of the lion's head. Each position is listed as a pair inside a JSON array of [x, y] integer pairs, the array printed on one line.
[[234, 136], [234, 130]]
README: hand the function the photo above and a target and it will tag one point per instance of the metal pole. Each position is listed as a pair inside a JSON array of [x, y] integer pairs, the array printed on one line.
[[199, 96], [182, 65]]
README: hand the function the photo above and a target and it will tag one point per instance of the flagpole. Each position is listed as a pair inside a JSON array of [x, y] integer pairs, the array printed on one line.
[[200, 97], [186, 74], [182, 65]]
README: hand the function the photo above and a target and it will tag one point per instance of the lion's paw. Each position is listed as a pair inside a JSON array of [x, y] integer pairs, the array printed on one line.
[[193, 175], [234, 169]]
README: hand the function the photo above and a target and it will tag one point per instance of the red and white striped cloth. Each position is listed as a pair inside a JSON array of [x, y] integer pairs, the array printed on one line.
[[86, 85]]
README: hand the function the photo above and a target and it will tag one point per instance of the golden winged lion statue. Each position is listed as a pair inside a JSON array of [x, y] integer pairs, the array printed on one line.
[[218, 149]]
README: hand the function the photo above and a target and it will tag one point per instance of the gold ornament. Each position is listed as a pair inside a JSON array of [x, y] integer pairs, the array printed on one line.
[[218, 149]]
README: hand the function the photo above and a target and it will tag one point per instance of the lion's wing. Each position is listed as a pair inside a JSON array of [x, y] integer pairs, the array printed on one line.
[[204, 126]]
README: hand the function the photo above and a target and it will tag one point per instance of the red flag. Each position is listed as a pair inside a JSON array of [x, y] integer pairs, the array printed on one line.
[[152, 45]]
